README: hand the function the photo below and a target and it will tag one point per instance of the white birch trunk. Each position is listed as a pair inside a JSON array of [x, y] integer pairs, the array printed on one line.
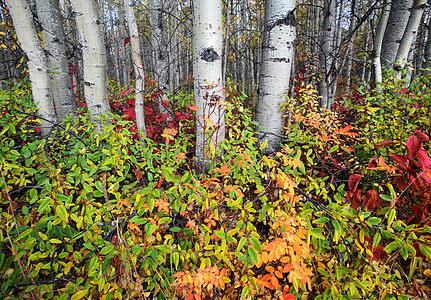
[[37, 62], [326, 54], [94, 56], [137, 65], [276, 64], [160, 53], [378, 40], [395, 27], [55, 44], [207, 75], [125, 49], [409, 34]]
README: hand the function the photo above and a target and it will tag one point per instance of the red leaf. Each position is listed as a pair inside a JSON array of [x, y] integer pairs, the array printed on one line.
[[354, 199], [424, 136], [138, 174], [423, 159], [378, 253], [385, 143], [126, 40], [373, 163], [354, 181], [400, 182], [413, 145], [371, 199], [402, 161], [419, 212]]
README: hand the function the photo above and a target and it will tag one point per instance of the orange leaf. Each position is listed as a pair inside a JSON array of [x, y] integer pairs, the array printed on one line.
[[270, 269], [267, 277], [278, 274], [265, 257], [194, 108], [274, 282], [346, 129]]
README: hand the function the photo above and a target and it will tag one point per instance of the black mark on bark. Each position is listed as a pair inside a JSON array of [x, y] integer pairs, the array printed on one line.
[[209, 55], [288, 20]]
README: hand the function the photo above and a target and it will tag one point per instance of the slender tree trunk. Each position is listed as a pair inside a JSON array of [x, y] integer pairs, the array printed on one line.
[[94, 56], [115, 45], [55, 45], [137, 66], [277, 59], [37, 62], [160, 54], [409, 33], [326, 58], [378, 40], [208, 84], [398, 18], [125, 49]]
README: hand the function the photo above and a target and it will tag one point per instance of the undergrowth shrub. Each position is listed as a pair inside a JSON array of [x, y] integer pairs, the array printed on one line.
[[108, 216]]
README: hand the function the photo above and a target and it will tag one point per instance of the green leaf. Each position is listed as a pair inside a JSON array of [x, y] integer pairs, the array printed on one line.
[[256, 244], [376, 239], [241, 243], [169, 176], [220, 234], [321, 220], [391, 246], [176, 258], [253, 254], [99, 186], [373, 221], [425, 250], [391, 216], [317, 232], [61, 212]]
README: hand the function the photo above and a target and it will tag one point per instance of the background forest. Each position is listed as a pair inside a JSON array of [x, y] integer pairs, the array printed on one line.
[[215, 149]]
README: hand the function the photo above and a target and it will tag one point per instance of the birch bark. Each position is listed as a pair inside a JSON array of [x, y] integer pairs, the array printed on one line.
[[94, 57], [398, 18], [276, 64], [378, 40], [54, 42], [409, 34], [137, 65], [37, 62], [207, 75]]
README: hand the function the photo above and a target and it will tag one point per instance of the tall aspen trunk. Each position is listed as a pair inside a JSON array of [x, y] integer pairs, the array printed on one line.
[[378, 41], [398, 18], [160, 54], [94, 57], [54, 42], [277, 58], [410, 33], [326, 57], [125, 49], [37, 62], [137, 66], [207, 75]]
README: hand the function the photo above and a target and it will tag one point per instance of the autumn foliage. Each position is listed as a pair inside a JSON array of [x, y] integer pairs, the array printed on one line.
[[341, 211]]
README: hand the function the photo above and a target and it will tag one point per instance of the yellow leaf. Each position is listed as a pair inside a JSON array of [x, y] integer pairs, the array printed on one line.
[[79, 295]]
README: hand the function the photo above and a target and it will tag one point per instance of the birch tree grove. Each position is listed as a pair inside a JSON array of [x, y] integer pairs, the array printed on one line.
[[137, 66], [37, 61], [276, 65], [207, 76], [94, 56]]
